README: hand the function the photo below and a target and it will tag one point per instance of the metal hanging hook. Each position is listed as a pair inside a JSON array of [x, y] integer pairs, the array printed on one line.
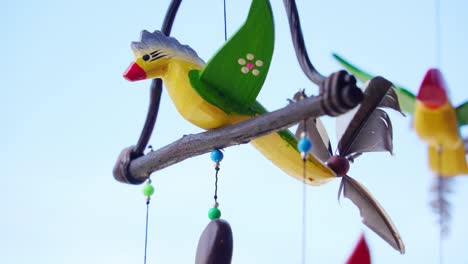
[[156, 87], [120, 170], [299, 45]]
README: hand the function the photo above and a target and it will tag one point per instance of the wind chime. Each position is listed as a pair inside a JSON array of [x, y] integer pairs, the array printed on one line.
[[203, 95]]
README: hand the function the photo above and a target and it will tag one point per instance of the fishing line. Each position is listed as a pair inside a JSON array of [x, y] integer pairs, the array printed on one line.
[[225, 26], [440, 183], [438, 40], [304, 145], [146, 229], [304, 205], [148, 190]]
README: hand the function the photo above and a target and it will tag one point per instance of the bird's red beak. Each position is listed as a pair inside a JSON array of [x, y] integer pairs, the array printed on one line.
[[432, 92], [134, 73]]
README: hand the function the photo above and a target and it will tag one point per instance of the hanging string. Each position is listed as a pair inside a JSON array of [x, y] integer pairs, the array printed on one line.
[[304, 211], [304, 145], [438, 41], [440, 183], [216, 184], [146, 229], [216, 157], [225, 26], [148, 190]]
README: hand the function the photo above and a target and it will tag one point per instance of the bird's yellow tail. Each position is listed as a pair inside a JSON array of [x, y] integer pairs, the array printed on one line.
[[286, 156], [449, 161]]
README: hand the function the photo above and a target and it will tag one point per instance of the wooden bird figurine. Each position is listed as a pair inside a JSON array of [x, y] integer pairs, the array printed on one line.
[[223, 91], [435, 122]]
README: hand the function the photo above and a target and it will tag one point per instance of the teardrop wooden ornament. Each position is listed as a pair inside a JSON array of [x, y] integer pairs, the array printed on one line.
[[215, 244]]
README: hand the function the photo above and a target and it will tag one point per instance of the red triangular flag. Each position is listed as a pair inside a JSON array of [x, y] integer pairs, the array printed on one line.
[[360, 254]]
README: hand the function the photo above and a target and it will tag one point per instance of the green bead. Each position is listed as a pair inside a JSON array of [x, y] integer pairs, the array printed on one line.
[[148, 190], [214, 213]]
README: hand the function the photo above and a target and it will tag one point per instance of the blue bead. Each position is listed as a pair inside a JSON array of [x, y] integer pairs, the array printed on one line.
[[217, 155], [304, 145]]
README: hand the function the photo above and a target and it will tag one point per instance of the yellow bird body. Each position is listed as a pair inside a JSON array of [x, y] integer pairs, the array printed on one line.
[[175, 75], [437, 127], [435, 122], [189, 103]]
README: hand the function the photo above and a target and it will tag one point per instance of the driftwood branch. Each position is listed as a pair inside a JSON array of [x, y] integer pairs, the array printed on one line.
[[335, 100]]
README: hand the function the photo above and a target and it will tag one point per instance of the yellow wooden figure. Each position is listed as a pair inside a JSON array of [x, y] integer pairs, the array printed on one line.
[[223, 91], [435, 121]]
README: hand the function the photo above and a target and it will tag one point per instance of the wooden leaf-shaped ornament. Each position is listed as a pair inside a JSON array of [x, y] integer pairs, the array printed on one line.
[[375, 135], [315, 130], [373, 215], [215, 244], [367, 128], [391, 100]]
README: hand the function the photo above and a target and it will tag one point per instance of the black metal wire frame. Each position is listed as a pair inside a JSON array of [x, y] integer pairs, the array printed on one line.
[[156, 88], [298, 42]]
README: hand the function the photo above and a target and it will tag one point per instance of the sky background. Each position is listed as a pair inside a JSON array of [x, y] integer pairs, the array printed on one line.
[[66, 114]]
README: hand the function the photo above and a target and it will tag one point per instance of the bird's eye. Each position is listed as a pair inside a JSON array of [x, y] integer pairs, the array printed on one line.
[[146, 57]]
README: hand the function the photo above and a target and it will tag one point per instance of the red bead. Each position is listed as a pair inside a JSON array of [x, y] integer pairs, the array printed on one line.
[[339, 165]]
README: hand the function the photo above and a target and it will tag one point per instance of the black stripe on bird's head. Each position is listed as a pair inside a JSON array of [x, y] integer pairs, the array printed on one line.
[[157, 54]]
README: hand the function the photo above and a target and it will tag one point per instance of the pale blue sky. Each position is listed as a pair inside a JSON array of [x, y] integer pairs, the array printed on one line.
[[67, 112]]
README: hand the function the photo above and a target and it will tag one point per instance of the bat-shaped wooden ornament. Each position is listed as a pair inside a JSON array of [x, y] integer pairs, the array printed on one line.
[[365, 129]]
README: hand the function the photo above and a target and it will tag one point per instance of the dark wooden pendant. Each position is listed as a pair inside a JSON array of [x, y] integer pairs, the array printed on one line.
[[215, 244]]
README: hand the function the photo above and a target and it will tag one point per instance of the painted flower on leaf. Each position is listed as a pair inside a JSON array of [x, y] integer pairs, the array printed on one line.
[[249, 64]]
